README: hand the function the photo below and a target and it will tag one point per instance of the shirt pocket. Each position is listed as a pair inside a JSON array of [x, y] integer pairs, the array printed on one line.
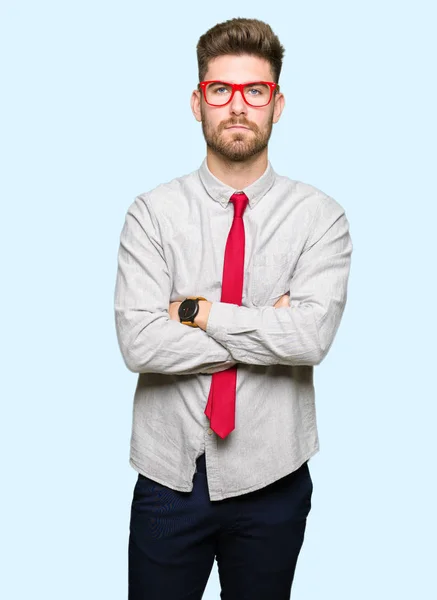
[[269, 278]]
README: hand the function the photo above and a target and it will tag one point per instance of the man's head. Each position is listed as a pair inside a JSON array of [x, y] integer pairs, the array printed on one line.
[[238, 51]]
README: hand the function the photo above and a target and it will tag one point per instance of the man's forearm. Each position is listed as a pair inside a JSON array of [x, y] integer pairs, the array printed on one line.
[[201, 321], [201, 318], [149, 340]]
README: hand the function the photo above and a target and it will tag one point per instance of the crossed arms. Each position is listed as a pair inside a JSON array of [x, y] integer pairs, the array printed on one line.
[[296, 331]]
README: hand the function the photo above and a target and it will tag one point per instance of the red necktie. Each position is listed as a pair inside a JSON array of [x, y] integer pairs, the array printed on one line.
[[220, 409]]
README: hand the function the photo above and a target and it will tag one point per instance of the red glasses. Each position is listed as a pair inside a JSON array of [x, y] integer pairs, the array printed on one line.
[[256, 93]]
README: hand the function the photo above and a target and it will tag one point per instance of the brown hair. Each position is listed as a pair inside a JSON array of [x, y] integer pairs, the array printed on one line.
[[240, 36]]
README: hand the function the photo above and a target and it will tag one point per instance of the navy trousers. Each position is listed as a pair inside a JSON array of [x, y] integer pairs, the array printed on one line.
[[255, 538]]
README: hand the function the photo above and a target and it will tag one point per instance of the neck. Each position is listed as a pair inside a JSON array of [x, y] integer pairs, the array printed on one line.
[[237, 175]]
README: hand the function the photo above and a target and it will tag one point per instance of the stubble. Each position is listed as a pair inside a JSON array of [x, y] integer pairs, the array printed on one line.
[[241, 145]]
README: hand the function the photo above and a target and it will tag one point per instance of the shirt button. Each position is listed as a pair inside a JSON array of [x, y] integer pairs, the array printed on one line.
[[210, 431]]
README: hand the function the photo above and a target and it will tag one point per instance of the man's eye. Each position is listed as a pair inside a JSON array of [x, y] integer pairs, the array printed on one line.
[[254, 91], [218, 88]]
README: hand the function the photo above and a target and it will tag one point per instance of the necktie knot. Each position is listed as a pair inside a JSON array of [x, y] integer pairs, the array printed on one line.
[[240, 201]]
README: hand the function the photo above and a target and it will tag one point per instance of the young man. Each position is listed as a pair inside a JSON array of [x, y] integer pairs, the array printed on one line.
[[231, 285]]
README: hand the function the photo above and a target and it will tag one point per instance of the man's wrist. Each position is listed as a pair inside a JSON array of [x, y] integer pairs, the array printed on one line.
[[201, 319]]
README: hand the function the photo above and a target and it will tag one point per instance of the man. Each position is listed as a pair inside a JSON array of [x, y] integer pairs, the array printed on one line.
[[231, 285]]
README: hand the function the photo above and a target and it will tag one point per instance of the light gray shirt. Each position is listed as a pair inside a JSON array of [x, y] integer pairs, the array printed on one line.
[[172, 246]]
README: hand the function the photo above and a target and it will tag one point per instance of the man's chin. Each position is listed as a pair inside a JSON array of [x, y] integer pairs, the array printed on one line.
[[236, 154], [236, 150]]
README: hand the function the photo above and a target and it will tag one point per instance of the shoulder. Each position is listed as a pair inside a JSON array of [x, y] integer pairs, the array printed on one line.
[[171, 191], [166, 198], [311, 198]]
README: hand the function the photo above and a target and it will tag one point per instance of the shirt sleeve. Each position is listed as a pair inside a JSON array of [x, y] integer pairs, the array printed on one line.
[[302, 333], [148, 339]]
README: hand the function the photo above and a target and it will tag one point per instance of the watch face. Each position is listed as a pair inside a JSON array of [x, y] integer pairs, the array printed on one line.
[[187, 310]]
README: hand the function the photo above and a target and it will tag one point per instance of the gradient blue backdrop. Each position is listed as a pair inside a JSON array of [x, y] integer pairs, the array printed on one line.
[[95, 110]]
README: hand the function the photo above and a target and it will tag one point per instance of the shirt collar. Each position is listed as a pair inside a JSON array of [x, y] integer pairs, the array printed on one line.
[[220, 192]]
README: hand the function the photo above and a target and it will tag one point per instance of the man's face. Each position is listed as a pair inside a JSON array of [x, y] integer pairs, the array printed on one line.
[[237, 131]]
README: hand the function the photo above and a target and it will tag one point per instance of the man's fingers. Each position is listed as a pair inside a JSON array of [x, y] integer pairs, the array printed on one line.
[[283, 302]]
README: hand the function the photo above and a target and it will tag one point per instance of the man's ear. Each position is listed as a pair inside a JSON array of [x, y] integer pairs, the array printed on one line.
[[279, 100], [195, 105]]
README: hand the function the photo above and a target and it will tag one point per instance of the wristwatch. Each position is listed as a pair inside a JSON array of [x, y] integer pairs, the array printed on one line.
[[188, 310]]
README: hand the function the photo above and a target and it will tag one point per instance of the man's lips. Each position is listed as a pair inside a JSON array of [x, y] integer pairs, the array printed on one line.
[[237, 127]]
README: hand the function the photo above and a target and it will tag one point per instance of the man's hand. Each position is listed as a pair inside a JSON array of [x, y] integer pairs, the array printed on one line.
[[283, 302]]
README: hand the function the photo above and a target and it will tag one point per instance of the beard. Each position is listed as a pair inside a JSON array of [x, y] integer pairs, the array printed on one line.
[[240, 146]]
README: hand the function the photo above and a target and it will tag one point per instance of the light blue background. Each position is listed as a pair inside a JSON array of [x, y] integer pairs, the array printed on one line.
[[95, 110]]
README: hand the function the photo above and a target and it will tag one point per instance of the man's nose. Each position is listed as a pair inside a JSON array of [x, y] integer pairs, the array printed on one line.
[[237, 104]]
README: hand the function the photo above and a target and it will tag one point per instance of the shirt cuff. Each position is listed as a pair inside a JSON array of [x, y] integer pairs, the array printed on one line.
[[221, 315]]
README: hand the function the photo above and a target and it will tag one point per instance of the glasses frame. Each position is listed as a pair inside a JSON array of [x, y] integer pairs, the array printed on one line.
[[239, 87]]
